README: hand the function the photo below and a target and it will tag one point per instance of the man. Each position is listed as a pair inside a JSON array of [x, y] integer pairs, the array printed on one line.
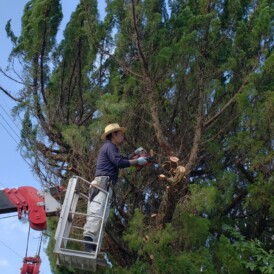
[[106, 175]]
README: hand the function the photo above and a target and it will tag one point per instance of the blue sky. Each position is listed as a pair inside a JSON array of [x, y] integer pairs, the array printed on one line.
[[14, 170]]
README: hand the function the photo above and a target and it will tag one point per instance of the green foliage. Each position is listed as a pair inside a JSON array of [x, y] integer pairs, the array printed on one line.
[[256, 258], [10, 33], [158, 243], [111, 107], [135, 232], [227, 258], [76, 137], [28, 136], [39, 26], [253, 254], [194, 231], [261, 194], [202, 198]]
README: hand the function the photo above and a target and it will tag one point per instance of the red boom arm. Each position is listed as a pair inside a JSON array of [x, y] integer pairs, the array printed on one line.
[[23, 199]]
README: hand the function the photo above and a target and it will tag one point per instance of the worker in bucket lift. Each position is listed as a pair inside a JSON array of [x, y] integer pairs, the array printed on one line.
[[108, 164]]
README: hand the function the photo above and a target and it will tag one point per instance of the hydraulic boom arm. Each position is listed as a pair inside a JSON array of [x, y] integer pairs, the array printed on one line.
[[28, 199]]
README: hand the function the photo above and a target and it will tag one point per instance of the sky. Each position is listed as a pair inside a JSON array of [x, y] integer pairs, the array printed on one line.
[[14, 170]]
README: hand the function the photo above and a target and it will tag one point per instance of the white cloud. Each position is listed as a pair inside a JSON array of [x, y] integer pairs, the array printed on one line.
[[3, 262]]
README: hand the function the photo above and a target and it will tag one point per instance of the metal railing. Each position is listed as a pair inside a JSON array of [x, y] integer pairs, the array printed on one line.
[[71, 253]]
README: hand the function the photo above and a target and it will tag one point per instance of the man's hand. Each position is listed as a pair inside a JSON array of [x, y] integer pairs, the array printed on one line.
[[141, 161], [139, 150], [94, 183]]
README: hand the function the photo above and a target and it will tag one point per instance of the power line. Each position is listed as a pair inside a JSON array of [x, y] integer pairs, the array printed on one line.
[[11, 249], [21, 130], [15, 252], [9, 133], [16, 143], [26, 131], [9, 216], [9, 126], [1, 106], [10, 117], [8, 107]]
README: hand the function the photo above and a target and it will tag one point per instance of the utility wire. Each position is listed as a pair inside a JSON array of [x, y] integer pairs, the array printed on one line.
[[21, 130], [8, 216], [28, 242], [11, 249], [15, 252], [8, 107], [40, 244], [15, 142], [9, 126], [10, 116], [9, 133]]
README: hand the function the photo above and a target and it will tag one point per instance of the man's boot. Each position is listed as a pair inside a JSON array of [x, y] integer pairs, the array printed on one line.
[[89, 247]]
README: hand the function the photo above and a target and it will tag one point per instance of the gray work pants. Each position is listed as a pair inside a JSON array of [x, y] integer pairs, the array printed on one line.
[[96, 206]]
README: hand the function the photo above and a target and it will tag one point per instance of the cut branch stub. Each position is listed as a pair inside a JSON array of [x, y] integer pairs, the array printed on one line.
[[179, 173], [174, 159], [151, 257]]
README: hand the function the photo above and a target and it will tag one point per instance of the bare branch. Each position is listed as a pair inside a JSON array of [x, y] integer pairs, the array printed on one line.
[[144, 61], [150, 88], [230, 101], [211, 120], [11, 78], [197, 137], [57, 155], [19, 100]]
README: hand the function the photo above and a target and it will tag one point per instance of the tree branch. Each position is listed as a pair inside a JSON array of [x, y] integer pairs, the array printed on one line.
[[57, 155], [211, 120], [197, 137], [150, 88], [137, 38], [19, 100]]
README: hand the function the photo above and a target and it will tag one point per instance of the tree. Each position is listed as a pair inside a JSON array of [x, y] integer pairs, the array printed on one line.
[[190, 80]]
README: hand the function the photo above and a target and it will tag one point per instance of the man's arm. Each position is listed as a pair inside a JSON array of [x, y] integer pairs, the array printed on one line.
[[119, 161], [116, 158]]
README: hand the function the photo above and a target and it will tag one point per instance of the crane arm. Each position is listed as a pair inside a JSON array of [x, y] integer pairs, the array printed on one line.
[[28, 199]]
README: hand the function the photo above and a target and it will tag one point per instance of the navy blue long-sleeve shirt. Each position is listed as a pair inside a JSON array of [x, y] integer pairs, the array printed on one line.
[[109, 161]]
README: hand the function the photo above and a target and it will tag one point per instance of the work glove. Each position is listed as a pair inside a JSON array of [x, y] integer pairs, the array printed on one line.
[[141, 161], [139, 150]]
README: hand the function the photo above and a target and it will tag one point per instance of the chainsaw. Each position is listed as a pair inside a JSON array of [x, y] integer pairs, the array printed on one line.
[[149, 157]]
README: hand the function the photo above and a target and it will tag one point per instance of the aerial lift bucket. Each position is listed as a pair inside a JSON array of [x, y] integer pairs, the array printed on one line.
[[69, 245]]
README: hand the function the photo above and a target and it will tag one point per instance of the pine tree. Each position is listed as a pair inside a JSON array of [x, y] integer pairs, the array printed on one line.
[[189, 79]]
